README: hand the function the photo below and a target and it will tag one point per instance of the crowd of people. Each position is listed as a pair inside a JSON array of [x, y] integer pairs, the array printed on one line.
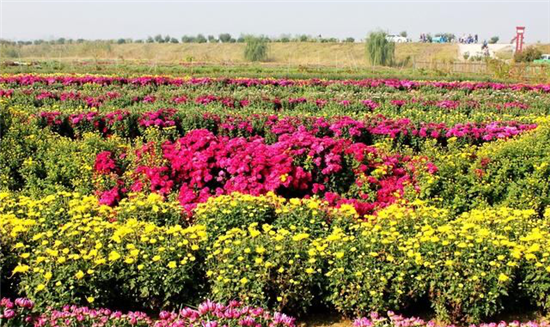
[[468, 39], [449, 38]]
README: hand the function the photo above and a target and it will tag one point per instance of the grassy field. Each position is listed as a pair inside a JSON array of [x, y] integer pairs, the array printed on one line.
[[331, 54]]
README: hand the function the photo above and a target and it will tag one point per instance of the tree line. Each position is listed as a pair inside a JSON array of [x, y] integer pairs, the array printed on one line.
[[199, 38]]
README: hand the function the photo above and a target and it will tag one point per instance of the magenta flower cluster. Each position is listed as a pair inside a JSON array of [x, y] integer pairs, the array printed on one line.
[[207, 314], [201, 164]]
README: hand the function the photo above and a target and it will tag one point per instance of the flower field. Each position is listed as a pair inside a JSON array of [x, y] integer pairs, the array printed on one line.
[[154, 196]]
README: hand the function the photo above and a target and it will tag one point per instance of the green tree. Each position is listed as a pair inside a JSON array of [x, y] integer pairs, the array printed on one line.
[[256, 48], [225, 37], [380, 51], [494, 40], [200, 39], [187, 39], [159, 38]]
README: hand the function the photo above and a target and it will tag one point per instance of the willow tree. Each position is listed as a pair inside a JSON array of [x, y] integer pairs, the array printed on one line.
[[380, 51], [256, 48]]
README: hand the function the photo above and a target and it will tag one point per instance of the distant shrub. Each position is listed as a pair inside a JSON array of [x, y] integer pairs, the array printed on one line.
[[494, 40]]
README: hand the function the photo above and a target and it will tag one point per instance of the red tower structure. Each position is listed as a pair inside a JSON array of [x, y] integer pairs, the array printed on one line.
[[519, 38]]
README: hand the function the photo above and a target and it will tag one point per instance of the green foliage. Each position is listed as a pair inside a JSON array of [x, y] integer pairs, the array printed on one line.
[[380, 51], [256, 48], [494, 40], [513, 173], [528, 54]]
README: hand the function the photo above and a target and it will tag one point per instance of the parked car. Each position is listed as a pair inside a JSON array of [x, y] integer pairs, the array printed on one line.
[[396, 38], [544, 59]]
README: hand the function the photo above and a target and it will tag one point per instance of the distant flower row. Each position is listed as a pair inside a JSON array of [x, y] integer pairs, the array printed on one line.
[[277, 103], [25, 79]]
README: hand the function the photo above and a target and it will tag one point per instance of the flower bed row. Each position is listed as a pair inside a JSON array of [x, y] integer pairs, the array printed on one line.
[[288, 255], [254, 82], [93, 99], [20, 313], [127, 124]]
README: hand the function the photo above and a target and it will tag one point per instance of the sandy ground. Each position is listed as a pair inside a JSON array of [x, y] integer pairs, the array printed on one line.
[[475, 49]]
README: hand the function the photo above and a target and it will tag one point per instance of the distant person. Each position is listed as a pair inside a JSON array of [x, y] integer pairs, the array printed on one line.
[[475, 38]]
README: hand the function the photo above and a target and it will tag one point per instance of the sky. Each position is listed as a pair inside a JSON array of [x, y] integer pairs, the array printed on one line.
[[105, 19]]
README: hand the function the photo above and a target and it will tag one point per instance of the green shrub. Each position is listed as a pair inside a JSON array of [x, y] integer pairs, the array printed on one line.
[[529, 54]]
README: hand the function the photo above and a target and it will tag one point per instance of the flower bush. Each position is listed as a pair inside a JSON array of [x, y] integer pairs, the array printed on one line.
[[264, 266], [88, 258], [201, 165], [19, 313]]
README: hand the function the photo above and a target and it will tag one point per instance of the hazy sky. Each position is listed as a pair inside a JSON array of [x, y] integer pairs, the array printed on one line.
[[104, 19]]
